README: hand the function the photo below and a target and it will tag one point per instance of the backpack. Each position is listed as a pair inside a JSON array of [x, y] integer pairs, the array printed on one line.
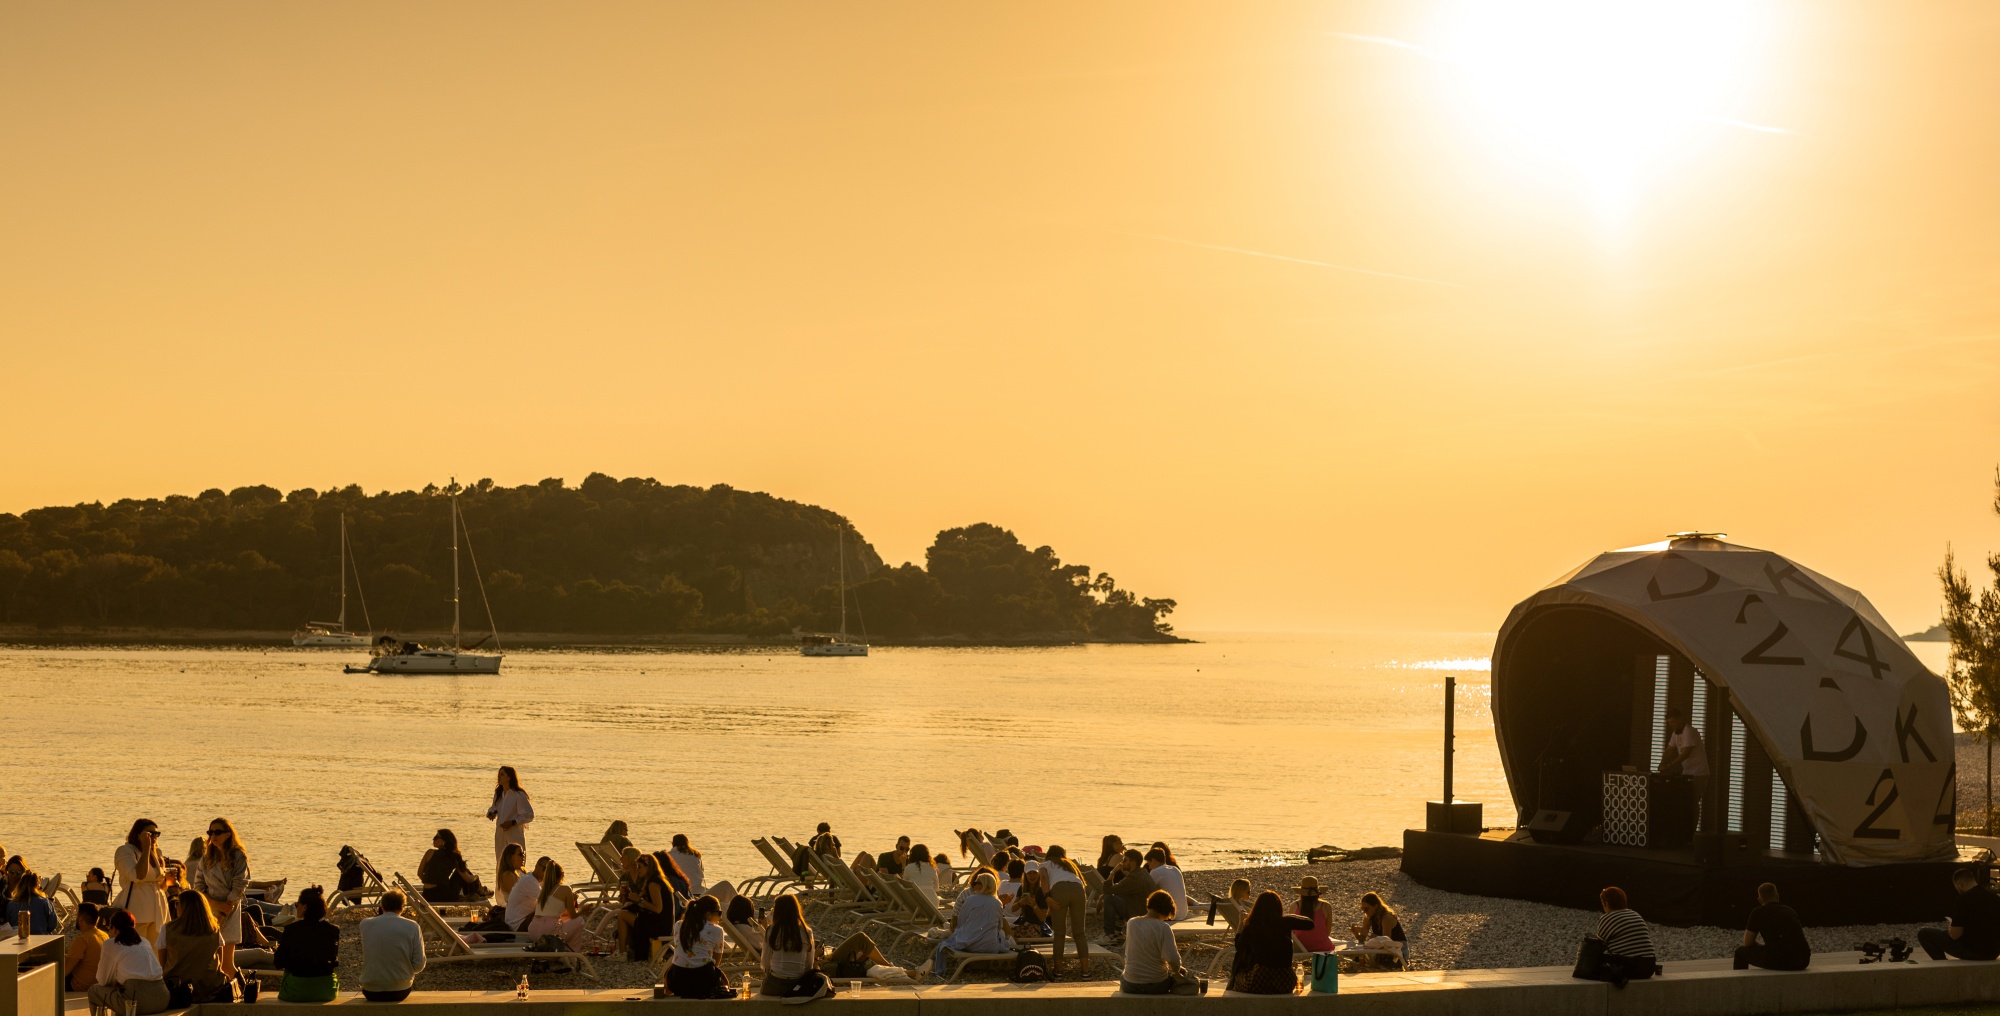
[[1029, 967]]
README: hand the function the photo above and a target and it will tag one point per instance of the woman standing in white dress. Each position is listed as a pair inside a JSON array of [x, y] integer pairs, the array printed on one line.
[[140, 867], [511, 813], [224, 877]]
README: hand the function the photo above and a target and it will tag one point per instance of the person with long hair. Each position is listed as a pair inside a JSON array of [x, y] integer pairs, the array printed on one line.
[[1066, 908], [511, 812], [309, 952], [920, 872], [557, 911], [128, 970], [671, 871], [1108, 854], [1320, 937], [1379, 928], [698, 940], [445, 876], [223, 878], [1031, 906], [791, 957], [618, 835], [688, 860], [192, 959], [652, 903], [30, 905], [513, 861], [141, 867], [1161, 846], [978, 924], [1263, 963]]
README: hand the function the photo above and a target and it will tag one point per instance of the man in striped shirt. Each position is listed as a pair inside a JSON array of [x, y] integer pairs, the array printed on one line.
[[1628, 941]]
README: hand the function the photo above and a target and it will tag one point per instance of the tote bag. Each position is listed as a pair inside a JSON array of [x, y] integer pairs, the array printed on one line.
[[1326, 974]]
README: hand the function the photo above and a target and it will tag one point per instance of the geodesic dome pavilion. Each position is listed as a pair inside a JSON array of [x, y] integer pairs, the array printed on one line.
[[1823, 731]]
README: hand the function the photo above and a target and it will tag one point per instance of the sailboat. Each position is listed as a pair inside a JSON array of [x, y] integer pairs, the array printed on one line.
[[335, 633], [835, 645], [392, 656]]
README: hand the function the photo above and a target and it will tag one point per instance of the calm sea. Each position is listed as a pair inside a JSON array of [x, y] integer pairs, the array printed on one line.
[[1241, 745]]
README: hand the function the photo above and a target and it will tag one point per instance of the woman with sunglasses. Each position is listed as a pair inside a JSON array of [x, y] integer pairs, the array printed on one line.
[[223, 877], [140, 867]]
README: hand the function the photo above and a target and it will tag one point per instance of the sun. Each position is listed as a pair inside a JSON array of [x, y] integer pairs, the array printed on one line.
[[1610, 93]]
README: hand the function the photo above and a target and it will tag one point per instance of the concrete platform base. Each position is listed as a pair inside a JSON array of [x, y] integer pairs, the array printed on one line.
[[1837, 982]]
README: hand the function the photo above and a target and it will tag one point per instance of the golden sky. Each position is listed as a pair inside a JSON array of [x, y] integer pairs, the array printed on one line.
[[1312, 315]]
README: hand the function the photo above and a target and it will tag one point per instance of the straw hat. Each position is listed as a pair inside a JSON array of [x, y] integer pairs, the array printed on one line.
[[1307, 884]]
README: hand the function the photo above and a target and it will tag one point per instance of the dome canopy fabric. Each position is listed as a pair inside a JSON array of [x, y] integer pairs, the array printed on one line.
[[1859, 729]]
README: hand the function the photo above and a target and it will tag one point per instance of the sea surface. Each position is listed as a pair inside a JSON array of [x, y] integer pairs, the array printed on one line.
[[1239, 746]]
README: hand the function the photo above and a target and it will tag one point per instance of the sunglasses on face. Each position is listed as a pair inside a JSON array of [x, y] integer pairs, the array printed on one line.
[[218, 832]]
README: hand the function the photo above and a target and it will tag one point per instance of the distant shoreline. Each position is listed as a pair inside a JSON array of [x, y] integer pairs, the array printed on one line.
[[74, 635]]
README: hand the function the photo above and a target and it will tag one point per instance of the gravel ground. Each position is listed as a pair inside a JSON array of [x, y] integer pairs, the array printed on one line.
[[1447, 931]]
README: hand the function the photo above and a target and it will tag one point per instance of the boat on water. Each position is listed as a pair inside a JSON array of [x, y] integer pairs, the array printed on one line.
[[835, 644], [391, 655], [335, 633]]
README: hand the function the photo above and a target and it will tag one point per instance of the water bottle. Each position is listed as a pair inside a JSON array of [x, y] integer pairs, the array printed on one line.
[[521, 990]]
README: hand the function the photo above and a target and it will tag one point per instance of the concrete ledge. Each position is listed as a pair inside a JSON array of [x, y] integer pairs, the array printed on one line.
[[1835, 983]]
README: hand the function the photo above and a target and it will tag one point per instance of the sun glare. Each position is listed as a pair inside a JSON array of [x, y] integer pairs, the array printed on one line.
[[1608, 93]]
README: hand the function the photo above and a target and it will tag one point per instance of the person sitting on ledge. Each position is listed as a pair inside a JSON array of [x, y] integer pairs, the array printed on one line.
[[1628, 940], [1974, 929], [309, 952], [392, 951], [85, 948], [128, 972], [1152, 958], [1263, 964], [1784, 946]]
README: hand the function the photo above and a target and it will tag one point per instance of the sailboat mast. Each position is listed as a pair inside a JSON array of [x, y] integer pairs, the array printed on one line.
[[454, 563], [343, 571], [840, 544]]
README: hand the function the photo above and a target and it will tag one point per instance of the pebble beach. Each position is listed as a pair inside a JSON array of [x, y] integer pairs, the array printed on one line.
[[1447, 931]]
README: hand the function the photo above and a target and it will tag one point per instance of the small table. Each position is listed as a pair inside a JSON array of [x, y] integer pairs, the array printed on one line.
[[31, 975]]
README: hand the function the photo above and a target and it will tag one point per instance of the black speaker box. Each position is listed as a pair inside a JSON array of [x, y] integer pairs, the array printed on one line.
[[1551, 825]]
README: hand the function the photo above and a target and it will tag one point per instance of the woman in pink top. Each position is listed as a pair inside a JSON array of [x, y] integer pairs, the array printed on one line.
[[1319, 938]]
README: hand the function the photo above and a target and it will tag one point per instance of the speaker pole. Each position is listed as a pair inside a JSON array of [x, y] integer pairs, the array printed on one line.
[[1450, 692]]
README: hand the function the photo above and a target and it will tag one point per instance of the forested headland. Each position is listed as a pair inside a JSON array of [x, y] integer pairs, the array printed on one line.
[[609, 557]]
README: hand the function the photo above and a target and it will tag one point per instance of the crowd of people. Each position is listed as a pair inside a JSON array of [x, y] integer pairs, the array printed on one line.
[[161, 932]]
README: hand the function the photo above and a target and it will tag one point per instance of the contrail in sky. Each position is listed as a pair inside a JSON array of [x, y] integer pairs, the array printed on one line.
[[1296, 261], [1429, 54]]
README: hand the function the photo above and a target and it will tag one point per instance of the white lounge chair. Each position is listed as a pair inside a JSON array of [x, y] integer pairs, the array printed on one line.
[[453, 948]]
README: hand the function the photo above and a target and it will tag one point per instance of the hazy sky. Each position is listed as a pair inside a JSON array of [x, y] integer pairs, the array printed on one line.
[[1312, 315]]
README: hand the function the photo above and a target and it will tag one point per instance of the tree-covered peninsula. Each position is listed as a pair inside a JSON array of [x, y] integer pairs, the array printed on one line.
[[608, 558]]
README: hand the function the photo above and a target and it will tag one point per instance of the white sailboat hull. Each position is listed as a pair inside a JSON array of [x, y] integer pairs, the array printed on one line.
[[834, 649], [435, 661]]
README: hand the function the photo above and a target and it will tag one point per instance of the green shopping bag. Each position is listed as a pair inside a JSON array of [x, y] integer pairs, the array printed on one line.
[[1326, 973]]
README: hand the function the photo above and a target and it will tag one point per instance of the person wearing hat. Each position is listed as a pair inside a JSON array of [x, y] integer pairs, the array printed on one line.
[[1320, 938]]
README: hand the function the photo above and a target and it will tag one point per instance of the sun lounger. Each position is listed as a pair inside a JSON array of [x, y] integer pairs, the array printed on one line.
[[452, 948], [371, 885], [605, 878], [780, 879], [960, 960]]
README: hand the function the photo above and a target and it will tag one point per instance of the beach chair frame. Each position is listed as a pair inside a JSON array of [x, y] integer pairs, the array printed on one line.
[[454, 949]]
